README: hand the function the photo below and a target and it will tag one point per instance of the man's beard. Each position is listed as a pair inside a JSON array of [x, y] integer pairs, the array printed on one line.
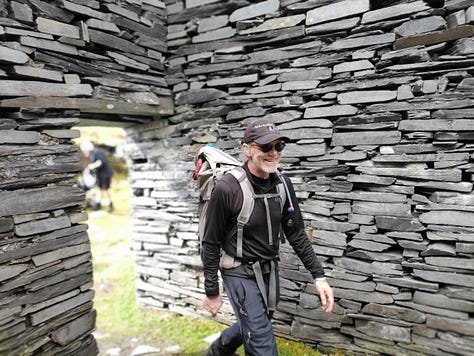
[[268, 168]]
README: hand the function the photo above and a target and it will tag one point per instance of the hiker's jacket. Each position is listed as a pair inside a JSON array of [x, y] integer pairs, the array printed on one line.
[[220, 230]]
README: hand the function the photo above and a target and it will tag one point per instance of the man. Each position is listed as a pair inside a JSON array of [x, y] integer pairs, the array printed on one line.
[[103, 171], [250, 294]]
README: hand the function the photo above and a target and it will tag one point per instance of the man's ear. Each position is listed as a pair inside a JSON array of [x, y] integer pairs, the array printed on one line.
[[246, 149]]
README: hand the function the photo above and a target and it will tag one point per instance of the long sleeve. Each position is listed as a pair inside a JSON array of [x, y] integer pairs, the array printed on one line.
[[293, 226]]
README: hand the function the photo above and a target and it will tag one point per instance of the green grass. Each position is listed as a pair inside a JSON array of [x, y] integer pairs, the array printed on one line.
[[119, 320]]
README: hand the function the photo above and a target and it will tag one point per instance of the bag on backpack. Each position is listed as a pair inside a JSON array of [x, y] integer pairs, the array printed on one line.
[[211, 164]]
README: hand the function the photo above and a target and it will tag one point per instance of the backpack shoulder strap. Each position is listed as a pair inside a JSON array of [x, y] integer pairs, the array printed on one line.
[[284, 192], [247, 205], [281, 192], [282, 189]]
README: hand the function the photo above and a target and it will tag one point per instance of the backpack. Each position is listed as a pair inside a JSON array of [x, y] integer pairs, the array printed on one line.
[[211, 164]]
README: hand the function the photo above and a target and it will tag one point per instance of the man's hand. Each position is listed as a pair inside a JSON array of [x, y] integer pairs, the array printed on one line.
[[94, 165], [212, 304], [326, 294]]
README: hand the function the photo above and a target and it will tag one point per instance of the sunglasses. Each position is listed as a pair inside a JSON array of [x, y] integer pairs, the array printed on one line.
[[279, 146]]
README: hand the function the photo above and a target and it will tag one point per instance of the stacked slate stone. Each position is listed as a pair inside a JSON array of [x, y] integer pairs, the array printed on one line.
[[61, 65], [103, 59], [377, 98]]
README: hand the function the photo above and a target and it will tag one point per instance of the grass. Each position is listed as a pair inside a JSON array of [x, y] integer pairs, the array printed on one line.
[[120, 323]]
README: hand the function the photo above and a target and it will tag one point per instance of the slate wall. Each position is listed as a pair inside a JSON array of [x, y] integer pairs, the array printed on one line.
[[377, 98], [63, 64]]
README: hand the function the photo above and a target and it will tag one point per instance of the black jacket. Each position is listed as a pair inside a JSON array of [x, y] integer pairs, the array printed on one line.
[[223, 210]]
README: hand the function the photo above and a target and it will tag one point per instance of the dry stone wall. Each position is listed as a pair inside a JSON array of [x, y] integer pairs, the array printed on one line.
[[377, 99], [62, 64], [376, 96]]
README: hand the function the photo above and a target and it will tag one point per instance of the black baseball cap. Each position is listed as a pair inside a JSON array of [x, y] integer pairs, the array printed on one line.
[[262, 131]]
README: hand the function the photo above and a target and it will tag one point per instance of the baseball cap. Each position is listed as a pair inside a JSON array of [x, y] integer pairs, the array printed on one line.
[[262, 131]]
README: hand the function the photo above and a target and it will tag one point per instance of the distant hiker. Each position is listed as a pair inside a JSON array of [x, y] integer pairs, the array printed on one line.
[[247, 255], [103, 171]]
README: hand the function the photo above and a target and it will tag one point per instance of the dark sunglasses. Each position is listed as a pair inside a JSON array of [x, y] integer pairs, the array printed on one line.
[[279, 146]]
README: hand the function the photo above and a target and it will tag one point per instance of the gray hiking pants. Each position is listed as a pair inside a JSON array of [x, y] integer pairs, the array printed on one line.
[[253, 327]]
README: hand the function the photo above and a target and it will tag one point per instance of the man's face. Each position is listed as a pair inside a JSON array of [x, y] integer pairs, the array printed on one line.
[[263, 163]]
